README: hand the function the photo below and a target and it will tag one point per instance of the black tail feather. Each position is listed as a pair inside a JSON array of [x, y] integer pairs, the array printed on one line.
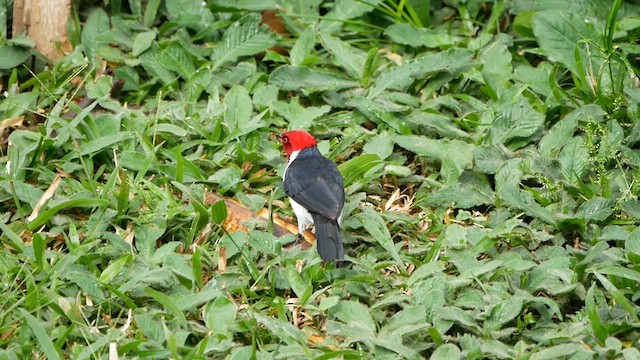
[[328, 239]]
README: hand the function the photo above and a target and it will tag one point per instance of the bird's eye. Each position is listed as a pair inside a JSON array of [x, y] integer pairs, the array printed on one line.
[[285, 139]]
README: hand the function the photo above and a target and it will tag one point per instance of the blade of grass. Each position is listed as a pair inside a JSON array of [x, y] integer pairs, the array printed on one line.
[[46, 344]]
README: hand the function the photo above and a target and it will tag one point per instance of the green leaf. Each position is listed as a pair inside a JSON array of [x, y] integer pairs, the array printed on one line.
[[300, 287], [168, 303], [142, 42], [559, 33], [151, 64], [281, 329], [357, 167], [251, 5], [471, 190], [238, 108], [299, 117], [409, 34], [111, 271], [377, 228], [512, 118], [508, 188], [176, 58], [596, 209], [618, 296], [561, 351], [345, 56], [447, 352], [574, 160], [303, 48], [455, 155], [101, 89], [243, 38], [44, 341], [401, 76], [97, 23], [219, 211], [75, 203], [356, 315], [12, 56], [594, 319], [345, 10], [220, 315], [309, 80]]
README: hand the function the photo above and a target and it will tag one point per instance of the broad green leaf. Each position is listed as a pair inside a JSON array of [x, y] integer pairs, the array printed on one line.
[[219, 211], [574, 160], [345, 56], [408, 34], [146, 235], [220, 315], [496, 60], [632, 246], [354, 314], [459, 316], [512, 118], [111, 271], [596, 209], [309, 80], [151, 64], [299, 117], [303, 48], [488, 159], [401, 76], [251, 5], [561, 351], [503, 312], [101, 89], [438, 124], [560, 33], [176, 58], [447, 352], [377, 228], [97, 23], [178, 265], [12, 56], [380, 145], [300, 287], [238, 108], [243, 38], [455, 155], [508, 188], [471, 190], [142, 42], [345, 10], [281, 329], [563, 130]]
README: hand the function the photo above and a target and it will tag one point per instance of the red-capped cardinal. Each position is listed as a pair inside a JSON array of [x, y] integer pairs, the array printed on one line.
[[315, 188]]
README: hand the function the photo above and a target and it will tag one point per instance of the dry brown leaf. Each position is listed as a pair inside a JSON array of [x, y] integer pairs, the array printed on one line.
[[238, 213], [45, 197], [222, 259], [11, 122]]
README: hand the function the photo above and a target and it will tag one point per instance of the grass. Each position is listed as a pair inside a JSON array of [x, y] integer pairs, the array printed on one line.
[[490, 157]]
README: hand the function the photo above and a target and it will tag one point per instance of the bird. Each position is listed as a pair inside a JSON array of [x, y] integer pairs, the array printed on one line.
[[316, 192]]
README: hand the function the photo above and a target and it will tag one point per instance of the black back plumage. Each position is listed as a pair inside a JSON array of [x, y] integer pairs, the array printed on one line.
[[314, 182]]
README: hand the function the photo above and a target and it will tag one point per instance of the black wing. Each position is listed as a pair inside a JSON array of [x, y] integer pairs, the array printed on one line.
[[316, 184]]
